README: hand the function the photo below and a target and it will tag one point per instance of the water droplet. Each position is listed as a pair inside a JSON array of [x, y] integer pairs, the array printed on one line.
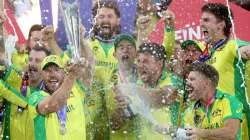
[[163, 101]]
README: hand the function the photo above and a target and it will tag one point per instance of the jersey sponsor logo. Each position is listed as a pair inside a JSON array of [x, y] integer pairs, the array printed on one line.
[[216, 113], [70, 108], [95, 49], [105, 64], [212, 60]]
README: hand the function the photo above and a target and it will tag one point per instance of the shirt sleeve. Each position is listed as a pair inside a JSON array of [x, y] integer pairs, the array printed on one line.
[[36, 98], [234, 109], [12, 95]]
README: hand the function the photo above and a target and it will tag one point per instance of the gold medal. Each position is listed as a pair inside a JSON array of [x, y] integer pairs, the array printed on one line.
[[62, 130]]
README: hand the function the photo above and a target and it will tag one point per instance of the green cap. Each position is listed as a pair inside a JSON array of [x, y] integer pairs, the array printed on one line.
[[52, 59], [188, 43], [127, 37]]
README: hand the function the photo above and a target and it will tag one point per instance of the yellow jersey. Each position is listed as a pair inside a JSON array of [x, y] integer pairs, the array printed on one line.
[[47, 126], [224, 107]]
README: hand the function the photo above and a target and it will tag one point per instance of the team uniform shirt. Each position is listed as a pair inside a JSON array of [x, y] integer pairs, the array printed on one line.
[[245, 125], [223, 107], [19, 60], [138, 127], [105, 62], [225, 60], [128, 131], [10, 94], [241, 43], [161, 115], [47, 127], [12, 76], [95, 104], [10, 91], [15, 122], [232, 71]]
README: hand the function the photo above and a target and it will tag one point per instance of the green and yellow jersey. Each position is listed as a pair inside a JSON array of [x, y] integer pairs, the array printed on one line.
[[96, 104], [95, 101], [15, 122], [19, 60], [241, 43], [224, 107], [105, 62], [226, 62], [10, 94], [48, 127], [130, 128], [161, 115], [10, 91], [138, 127], [232, 71], [12, 76], [246, 115]]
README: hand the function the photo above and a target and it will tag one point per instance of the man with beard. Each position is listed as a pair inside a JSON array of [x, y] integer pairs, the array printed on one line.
[[34, 36], [58, 111], [105, 28], [41, 34], [38, 34], [15, 126], [225, 55], [215, 114], [154, 83]]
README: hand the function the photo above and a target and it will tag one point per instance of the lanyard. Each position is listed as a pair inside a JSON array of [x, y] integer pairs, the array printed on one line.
[[61, 114], [208, 52], [209, 103], [198, 118], [25, 84]]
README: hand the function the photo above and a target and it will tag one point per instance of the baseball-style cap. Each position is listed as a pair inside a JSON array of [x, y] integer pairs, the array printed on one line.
[[156, 50], [54, 59], [127, 37], [189, 43]]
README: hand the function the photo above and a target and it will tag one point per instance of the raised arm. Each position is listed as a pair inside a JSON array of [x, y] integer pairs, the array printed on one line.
[[59, 98], [48, 38], [86, 53]]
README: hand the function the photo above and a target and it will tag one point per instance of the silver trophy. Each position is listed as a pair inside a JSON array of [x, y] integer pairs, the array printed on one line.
[[71, 19]]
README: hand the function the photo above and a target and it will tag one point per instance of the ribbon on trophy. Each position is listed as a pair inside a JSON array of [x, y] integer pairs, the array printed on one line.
[[62, 115]]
